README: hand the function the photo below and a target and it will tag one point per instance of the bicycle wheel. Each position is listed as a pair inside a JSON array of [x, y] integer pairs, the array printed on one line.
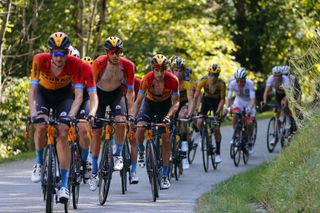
[[204, 148], [237, 149], [213, 158], [177, 161], [75, 174], [192, 150], [151, 166], [48, 178], [172, 155], [255, 130], [235, 137], [105, 173], [271, 135], [245, 153], [125, 169]]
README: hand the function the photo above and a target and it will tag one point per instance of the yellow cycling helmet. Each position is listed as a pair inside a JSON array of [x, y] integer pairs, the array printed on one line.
[[214, 69], [178, 62], [159, 60], [58, 40], [113, 43], [87, 59]]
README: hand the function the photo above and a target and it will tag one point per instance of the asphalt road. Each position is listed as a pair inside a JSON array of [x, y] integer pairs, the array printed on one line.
[[19, 194]]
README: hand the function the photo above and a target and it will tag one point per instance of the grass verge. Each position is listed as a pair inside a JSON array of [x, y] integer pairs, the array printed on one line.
[[290, 183], [21, 156]]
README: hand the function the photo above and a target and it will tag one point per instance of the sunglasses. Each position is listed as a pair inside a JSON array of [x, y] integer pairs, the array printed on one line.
[[112, 52], [159, 69], [213, 75], [59, 54], [241, 80]]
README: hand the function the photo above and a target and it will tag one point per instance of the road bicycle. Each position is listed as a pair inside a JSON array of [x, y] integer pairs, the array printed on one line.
[[207, 147]]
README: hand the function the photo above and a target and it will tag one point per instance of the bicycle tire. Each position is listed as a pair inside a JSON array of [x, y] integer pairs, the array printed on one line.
[[192, 150], [50, 190], [124, 170], [237, 149], [177, 161], [204, 148], [75, 175], [152, 170], [105, 173], [272, 135], [245, 154], [255, 131]]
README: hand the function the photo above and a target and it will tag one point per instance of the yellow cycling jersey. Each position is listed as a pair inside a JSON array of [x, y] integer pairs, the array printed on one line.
[[186, 86], [216, 92]]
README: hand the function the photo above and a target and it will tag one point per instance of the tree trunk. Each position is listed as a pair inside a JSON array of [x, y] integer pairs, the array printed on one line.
[[80, 32], [34, 26], [101, 22], [5, 20], [91, 22]]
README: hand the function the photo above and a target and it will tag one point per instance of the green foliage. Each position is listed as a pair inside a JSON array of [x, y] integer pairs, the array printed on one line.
[[290, 183], [13, 112]]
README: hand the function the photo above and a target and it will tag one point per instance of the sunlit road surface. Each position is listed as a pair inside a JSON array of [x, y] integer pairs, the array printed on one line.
[[19, 194]]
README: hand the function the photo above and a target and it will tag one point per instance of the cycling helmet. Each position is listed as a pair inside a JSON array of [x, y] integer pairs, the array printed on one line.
[[241, 73], [159, 60], [87, 59], [113, 43], [285, 70], [74, 52], [214, 69], [173, 58], [277, 70], [58, 40], [178, 63]]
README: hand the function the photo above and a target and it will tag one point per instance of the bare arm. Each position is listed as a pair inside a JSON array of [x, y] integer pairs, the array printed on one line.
[[174, 107], [32, 100], [190, 100], [221, 104], [193, 103], [130, 100], [137, 104], [78, 96], [93, 103], [265, 94]]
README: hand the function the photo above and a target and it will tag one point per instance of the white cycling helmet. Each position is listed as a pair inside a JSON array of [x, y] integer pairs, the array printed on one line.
[[74, 52], [241, 73], [286, 70], [277, 70]]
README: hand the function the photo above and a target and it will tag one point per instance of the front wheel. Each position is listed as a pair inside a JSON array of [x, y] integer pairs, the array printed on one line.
[[48, 179], [151, 165], [204, 148], [105, 173], [255, 130], [272, 136]]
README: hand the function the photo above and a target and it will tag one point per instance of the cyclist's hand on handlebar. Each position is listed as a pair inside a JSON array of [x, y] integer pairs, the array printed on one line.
[[166, 120], [36, 119], [132, 120], [91, 119]]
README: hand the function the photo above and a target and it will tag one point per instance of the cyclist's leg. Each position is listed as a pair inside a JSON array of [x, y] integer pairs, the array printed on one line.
[[162, 112], [83, 130], [145, 114], [40, 136], [63, 148]]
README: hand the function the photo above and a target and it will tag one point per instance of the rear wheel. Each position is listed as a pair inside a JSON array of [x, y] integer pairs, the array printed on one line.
[[75, 175], [126, 166], [245, 154], [255, 130], [272, 135], [105, 173]]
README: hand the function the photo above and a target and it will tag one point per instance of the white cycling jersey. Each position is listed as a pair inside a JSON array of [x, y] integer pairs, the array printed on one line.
[[243, 97], [285, 82]]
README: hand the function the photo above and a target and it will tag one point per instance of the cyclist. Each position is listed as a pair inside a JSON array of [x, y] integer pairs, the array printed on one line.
[[295, 85], [156, 88], [213, 99], [186, 91], [88, 107], [244, 100], [278, 83], [51, 87], [111, 72]]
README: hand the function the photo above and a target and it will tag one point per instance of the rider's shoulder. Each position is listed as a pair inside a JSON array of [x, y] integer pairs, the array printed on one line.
[[42, 57]]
